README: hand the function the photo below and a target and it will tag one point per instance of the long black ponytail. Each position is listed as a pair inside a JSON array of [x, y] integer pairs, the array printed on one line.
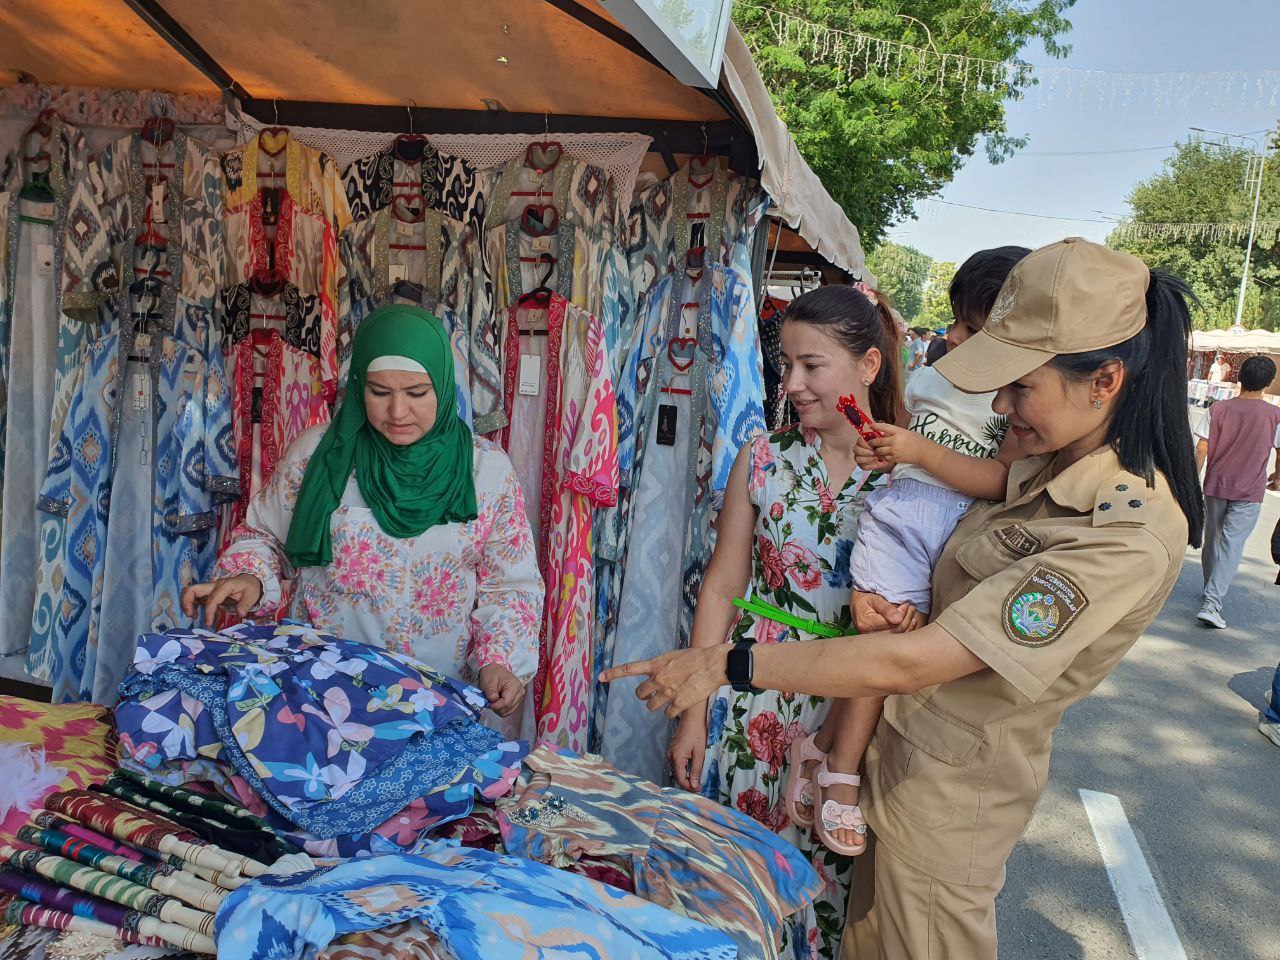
[[1151, 429]]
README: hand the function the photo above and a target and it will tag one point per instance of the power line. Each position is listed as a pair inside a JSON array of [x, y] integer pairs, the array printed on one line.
[[1018, 213]]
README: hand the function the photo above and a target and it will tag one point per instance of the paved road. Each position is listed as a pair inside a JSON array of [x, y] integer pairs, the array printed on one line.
[[1171, 733]]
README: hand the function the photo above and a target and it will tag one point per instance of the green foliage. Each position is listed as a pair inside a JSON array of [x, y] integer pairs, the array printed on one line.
[[1204, 183], [881, 143], [902, 273], [936, 311]]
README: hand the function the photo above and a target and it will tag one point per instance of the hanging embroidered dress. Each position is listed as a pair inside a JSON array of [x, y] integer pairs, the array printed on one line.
[[697, 354], [39, 352], [411, 167], [458, 597], [276, 394], [292, 248], [138, 470], [276, 160], [563, 441], [143, 210], [804, 537]]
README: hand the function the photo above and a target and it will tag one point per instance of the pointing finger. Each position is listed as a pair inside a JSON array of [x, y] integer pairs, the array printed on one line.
[[636, 668]]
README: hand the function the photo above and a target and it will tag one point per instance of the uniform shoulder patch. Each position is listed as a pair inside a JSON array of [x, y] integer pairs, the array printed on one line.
[[1042, 607]]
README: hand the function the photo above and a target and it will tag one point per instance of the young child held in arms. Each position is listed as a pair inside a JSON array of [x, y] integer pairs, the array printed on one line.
[[951, 451]]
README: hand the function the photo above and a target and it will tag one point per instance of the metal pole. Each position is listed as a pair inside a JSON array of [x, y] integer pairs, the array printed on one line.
[[1253, 227]]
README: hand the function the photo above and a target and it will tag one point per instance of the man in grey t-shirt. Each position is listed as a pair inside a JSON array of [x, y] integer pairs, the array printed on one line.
[[1237, 440]]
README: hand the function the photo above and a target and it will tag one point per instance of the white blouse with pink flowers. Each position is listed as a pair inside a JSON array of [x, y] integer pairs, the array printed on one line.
[[457, 597]]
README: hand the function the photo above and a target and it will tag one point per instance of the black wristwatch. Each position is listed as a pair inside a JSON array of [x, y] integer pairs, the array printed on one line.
[[739, 667]]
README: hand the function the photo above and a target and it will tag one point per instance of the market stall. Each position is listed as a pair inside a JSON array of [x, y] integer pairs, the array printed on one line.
[[1233, 346], [200, 214]]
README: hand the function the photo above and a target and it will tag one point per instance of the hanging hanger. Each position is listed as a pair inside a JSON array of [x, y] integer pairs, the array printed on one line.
[[39, 188], [157, 130], [540, 296], [706, 157], [275, 129]]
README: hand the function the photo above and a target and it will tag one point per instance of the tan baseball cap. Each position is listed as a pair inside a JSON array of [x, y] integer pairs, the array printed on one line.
[[1069, 297]]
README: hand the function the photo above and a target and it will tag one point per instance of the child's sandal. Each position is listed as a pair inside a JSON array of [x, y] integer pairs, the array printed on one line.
[[840, 816], [800, 787]]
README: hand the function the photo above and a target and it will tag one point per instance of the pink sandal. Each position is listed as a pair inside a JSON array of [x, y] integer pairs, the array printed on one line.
[[840, 816], [800, 787]]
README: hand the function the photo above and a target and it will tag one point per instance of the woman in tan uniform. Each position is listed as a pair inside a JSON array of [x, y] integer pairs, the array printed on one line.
[[1036, 598]]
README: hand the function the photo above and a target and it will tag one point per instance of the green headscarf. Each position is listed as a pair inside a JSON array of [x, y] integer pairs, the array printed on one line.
[[409, 488]]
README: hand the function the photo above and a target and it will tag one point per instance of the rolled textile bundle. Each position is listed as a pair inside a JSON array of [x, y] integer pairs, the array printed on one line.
[[164, 863], [191, 890], [51, 821], [109, 887], [212, 808], [257, 842], [138, 827], [23, 913]]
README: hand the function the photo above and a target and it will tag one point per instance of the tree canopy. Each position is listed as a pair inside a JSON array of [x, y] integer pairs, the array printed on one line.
[[878, 141], [1204, 182], [935, 312], [902, 273]]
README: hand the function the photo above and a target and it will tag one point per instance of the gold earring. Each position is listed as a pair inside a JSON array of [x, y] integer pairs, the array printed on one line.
[[866, 381]]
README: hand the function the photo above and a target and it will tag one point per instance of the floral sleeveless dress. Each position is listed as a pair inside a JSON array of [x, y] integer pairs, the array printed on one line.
[[800, 564]]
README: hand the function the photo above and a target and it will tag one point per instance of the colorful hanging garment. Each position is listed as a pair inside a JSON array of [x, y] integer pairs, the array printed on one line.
[[145, 446], [687, 853], [708, 358], [39, 353], [410, 169], [145, 210], [481, 905], [390, 730], [275, 160], [276, 395], [294, 249], [575, 419]]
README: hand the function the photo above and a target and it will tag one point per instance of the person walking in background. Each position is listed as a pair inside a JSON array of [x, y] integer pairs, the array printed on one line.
[[1237, 439]]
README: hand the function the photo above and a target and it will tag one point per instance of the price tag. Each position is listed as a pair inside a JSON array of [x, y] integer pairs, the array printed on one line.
[[141, 391], [530, 375], [44, 259], [157, 202], [397, 272], [542, 244], [667, 414]]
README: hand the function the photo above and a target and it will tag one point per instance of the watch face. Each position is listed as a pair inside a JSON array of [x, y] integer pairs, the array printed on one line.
[[738, 667]]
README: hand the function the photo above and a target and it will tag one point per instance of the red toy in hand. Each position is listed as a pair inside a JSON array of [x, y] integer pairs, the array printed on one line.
[[848, 405]]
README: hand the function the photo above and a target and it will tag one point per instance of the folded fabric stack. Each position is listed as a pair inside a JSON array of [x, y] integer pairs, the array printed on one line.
[[104, 862], [480, 905], [338, 738]]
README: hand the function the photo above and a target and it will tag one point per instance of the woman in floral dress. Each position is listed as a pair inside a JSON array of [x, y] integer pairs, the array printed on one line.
[[396, 526], [788, 525]]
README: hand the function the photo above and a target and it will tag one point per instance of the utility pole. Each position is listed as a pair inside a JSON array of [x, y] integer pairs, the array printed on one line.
[[1257, 198], [1253, 229]]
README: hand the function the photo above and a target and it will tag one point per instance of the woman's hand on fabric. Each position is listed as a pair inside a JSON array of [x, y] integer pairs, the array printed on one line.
[[689, 748], [872, 613], [240, 594], [676, 681], [501, 688]]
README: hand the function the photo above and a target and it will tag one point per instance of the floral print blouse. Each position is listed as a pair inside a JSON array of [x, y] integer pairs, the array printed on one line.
[[458, 597]]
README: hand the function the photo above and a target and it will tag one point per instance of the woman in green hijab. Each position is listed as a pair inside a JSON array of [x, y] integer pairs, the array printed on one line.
[[394, 525]]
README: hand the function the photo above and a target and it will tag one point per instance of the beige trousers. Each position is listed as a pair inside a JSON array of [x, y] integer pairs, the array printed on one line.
[[896, 912]]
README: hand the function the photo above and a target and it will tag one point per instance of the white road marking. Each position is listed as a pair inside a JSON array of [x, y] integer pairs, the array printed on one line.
[[1150, 928]]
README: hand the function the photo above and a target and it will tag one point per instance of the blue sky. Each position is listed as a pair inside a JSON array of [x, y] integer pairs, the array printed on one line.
[[1141, 36]]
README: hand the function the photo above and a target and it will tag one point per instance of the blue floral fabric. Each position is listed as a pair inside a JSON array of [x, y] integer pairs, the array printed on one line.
[[480, 904], [336, 736]]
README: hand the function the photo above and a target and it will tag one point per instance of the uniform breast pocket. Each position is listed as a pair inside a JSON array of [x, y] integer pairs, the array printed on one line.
[[988, 555], [925, 756]]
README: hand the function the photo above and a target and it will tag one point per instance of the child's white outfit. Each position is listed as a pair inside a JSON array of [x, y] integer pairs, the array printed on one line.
[[906, 523]]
